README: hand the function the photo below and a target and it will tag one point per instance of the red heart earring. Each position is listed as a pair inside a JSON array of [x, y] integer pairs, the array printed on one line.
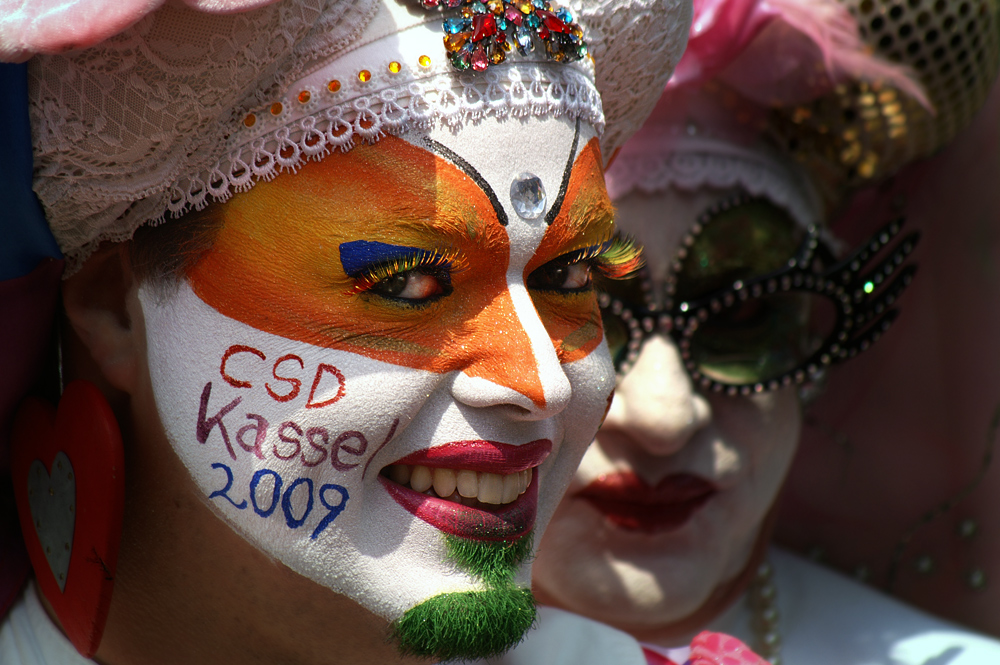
[[68, 472]]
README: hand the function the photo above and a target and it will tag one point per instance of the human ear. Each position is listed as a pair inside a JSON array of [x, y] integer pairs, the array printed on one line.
[[96, 300]]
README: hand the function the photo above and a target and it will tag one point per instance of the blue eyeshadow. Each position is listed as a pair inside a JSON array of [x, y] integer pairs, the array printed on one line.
[[358, 256]]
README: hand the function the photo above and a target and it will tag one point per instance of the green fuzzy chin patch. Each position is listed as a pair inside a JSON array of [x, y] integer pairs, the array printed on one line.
[[473, 624]]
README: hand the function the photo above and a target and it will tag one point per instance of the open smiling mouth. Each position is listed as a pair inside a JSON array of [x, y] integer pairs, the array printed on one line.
[[490, 488]]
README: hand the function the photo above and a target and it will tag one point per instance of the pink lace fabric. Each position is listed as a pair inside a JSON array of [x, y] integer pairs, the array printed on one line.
[[28, 27]]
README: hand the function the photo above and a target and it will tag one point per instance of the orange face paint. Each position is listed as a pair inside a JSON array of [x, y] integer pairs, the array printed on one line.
[[276, 263], [573, 321]]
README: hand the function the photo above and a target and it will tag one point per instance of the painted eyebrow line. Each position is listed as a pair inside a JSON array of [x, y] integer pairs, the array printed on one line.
[[472, 173], [564, 185]]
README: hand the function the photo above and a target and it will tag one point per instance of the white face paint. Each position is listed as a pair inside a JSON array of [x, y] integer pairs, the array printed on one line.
[[286, 395], [692, 476]]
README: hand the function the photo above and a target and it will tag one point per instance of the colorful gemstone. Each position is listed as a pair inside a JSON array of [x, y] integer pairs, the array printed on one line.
[[525, 44], [512, 15], [452, 4], [501, 23], [467, 12], [430, 4], [250, 120], [479, 59], [454, 42], [525, 7], [364, 76], [495, 6], [527, 195], [551, 21], [394, 67], [456, 25], [478, 8], [483, 25], [460, 61], [532, 21], [543, 33], [564, 15], [539, 4], [277, 108], [498, 55], [304, 97], [333, 86], [424, 60]]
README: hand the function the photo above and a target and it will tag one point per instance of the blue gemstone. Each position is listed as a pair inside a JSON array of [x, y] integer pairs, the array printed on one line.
[[532, 21], [539, 4], [454, 25], [478, 7], [564, 15], [524, 42], [502, 24]]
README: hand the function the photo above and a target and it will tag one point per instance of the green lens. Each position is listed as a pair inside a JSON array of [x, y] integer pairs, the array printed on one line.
[[748, 240], [763, 338]]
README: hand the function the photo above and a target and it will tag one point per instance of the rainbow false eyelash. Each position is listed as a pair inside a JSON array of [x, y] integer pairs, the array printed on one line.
[[446, 262], [616, 258]]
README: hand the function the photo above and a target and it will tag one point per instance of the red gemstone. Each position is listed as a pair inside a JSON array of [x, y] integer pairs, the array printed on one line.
[[483, 26], [543, 32], [479, 59], [513, 15], [551, 21], [501, 37]]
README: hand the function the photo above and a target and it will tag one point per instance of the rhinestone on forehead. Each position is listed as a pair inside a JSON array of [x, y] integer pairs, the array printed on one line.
[[527, 195], [485, 32]]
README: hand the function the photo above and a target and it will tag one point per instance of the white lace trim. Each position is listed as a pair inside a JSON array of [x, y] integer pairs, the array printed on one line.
[[150, 123], [690, 170]]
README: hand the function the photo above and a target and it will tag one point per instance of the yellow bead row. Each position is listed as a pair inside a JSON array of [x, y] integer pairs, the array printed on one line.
[[334, 85]]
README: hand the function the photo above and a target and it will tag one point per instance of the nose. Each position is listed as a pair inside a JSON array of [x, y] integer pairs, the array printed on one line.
[[514, 362], [655, 402]]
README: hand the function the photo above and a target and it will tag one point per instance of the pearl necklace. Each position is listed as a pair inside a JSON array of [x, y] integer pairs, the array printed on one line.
[[763, 601]]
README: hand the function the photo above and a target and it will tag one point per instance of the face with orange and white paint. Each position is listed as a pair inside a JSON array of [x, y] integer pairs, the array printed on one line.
[[379, 351]]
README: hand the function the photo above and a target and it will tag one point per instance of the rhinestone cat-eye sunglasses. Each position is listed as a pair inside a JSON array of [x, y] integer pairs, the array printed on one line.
[[755, 301]]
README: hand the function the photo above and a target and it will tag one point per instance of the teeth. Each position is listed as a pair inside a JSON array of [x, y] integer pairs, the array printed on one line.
[[511, 487], [421, 479], [462, 485], [490, 487], [444, 482], [468, 484], [400, 473]]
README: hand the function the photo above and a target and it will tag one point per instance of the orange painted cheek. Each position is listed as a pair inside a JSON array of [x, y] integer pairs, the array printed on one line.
[[573, 323]]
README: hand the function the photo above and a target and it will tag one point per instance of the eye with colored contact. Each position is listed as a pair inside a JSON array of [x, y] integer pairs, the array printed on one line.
[[616, 258]]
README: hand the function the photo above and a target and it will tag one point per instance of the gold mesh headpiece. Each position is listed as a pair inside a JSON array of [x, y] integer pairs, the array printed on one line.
[[866, 131]]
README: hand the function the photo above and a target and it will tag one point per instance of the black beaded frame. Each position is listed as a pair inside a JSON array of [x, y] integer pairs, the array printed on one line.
[[861, 317]]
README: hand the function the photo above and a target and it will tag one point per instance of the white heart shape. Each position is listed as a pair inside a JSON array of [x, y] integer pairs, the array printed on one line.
[[52, 500]]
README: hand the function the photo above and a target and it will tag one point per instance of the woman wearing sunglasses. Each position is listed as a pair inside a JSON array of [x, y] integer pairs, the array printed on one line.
[[745, 303]]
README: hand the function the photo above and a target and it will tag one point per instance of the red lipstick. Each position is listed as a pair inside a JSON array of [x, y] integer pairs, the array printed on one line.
[[631, 504], [508, 521]]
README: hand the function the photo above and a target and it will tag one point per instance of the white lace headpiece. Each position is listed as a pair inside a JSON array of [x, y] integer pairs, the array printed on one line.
[[692, 162], [185, 108]]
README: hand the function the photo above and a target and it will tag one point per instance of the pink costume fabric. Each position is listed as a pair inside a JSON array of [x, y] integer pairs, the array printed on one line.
[[28, 27], [884, 483], [711, 649]]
